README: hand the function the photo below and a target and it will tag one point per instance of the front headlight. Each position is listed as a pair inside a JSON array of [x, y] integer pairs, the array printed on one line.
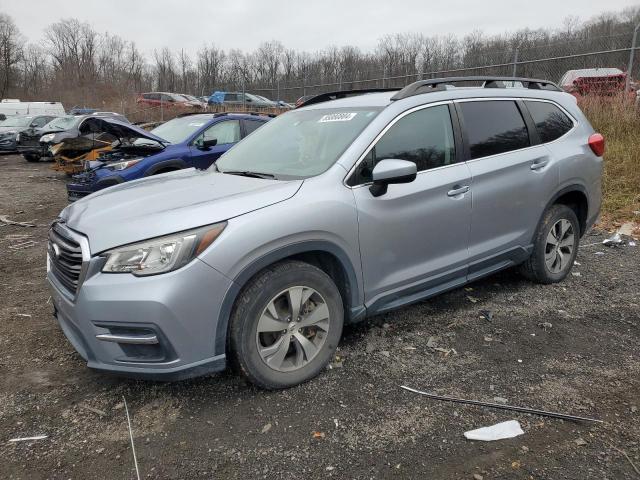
[[48, 137], [163, 254], [122, 165]]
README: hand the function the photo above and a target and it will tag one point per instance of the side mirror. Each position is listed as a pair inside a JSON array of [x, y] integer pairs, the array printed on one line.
[[248, 100], [391, 171], [207, 144]]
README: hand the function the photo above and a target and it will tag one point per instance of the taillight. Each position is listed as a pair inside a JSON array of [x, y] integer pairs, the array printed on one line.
[[596, 142]]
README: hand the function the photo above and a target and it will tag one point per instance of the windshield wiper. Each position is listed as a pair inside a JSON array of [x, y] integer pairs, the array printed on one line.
[[246, 173]]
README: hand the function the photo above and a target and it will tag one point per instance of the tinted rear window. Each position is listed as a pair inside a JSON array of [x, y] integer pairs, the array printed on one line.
[[494, 127], [551, 122]]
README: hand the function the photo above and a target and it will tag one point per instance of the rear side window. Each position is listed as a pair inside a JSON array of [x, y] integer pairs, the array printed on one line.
[[424, 137], [551, 122], [494, 126], [230, 97]]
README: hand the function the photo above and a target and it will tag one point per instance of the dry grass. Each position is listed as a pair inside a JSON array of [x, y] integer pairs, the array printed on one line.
[[618, 119]]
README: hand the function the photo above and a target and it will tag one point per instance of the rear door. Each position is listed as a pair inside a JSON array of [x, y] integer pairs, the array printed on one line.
[[513, 178], [414, 238], [225, 132]]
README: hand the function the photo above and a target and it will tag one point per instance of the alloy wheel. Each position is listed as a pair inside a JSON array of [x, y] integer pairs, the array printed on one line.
[[559, 246], [292, 329]]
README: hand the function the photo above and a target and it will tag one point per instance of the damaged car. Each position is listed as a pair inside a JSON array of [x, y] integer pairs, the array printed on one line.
[[12, 127], [196, 141], [68, 140]]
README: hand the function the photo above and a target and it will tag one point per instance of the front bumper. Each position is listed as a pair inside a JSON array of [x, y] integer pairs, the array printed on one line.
[[161, 327], [8, 144], [85, 184]]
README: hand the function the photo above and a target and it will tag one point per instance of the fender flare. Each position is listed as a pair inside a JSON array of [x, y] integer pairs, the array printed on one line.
[[357, 311], [176, 163]]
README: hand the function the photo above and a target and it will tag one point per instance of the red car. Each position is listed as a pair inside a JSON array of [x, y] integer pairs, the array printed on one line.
[[167, 100], [594, 81]]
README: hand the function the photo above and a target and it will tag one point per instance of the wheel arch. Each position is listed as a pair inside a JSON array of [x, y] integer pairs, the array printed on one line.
[[576, 198], [325, 255], [173, 164]]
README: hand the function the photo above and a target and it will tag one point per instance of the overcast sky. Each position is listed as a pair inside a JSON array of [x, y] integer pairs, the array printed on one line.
[[303, 25]]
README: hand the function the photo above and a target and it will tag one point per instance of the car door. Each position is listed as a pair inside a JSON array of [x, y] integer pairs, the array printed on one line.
[[414, 238], [513, 178], [225, 132]]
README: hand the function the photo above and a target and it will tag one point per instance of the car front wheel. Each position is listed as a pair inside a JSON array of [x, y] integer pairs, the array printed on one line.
[[286, 325]]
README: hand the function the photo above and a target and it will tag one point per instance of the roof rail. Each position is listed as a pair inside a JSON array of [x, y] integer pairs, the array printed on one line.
[[438, 84], [325, 97]]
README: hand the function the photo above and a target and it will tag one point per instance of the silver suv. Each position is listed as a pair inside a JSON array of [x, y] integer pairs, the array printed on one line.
[[355, 204]]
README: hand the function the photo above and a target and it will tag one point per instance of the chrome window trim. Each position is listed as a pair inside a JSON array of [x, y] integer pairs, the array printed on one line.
[[385, 130]]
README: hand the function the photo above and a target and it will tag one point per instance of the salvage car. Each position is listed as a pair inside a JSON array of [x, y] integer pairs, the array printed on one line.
[[594, 81], [189, 141], [68, 140], [330, 213], [168, 100], [13, 127]]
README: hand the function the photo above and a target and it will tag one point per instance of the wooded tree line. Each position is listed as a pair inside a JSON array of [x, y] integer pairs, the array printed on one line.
[[79, 66]]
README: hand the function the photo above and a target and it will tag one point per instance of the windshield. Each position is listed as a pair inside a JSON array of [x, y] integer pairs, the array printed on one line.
[[298, 144], [176, 130], [18, 121], [63, 123]]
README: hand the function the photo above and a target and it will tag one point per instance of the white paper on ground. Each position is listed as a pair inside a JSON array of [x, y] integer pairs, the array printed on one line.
[[498, 431]]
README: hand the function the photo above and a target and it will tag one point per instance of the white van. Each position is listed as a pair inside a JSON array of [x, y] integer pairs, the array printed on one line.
[[11, 107]]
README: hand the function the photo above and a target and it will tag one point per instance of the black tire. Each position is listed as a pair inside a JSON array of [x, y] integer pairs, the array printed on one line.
[[535, 267], [251, 303], [31, 158]]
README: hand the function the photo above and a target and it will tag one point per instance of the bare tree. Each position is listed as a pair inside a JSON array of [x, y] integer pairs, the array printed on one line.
[[10, 52]]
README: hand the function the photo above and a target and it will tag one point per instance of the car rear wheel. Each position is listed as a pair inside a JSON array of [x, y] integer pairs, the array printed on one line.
[[31, 158], [555, 246], [286, 325]]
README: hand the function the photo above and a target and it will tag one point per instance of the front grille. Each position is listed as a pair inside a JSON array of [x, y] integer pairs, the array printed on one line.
[[66, 258], [29, 141]]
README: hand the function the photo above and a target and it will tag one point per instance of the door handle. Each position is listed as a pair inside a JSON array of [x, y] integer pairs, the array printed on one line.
[[539, 163], [458, 190]]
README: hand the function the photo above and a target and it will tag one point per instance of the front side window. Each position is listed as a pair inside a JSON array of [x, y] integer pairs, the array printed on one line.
[[300, 143], [424, 137], [494, 126], [551, 122], [230, 97], [224, 132], [251, 125]]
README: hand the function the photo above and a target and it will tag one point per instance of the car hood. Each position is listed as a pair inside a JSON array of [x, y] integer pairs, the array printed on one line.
[[168, 203], [11, 129], [127, 130]]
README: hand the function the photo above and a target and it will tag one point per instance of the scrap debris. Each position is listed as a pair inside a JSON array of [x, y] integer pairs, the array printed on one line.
[[4, 219], [499, 406], [499, 431], [28, 439], [23, 245], [133, 448]]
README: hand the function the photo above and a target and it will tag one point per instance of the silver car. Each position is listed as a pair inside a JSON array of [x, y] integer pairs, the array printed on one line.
[[330, 213]]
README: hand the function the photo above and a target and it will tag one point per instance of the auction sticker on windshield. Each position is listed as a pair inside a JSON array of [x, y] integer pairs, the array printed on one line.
[[337, 117]]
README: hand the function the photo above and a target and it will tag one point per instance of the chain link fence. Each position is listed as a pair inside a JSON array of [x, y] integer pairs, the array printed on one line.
[[546, 61]]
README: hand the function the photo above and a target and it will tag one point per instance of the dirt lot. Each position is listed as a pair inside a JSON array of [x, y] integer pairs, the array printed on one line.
[[587, 362]]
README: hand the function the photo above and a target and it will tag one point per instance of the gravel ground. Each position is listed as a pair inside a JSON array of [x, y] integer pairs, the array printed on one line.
[[571, 347]]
